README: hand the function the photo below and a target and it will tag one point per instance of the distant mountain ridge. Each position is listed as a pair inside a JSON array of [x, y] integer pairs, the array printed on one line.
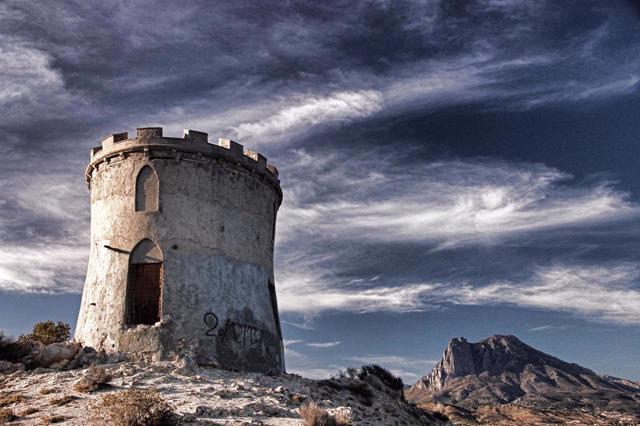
[[502, 369]]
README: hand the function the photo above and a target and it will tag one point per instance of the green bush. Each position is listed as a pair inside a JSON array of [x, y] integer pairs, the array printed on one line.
[[49, 332]]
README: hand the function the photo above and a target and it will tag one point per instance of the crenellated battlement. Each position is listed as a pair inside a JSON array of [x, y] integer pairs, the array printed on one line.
[[193, 145]]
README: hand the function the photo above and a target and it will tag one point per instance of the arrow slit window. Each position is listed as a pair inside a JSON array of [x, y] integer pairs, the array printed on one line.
[[147, 190]]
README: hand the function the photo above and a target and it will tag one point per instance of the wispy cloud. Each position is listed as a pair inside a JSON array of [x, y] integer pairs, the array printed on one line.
[[324, 344], [31, 86], [449, 202], [602, 293], [547, 328], [310, 294], [44, 235], [50, 267], [309, 110], [609, 293]]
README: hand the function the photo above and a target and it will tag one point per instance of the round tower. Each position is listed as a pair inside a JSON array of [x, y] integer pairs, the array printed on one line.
[[182, 237]]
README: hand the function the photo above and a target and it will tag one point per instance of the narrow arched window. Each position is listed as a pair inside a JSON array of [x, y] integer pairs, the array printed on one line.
[[147, 190], [144, 286]]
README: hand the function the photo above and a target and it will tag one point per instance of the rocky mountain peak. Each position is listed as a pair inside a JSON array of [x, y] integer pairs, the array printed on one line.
[[461, 358], [508, 363], [502, 369]]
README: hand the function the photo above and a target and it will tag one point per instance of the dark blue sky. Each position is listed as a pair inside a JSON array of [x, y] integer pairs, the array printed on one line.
[[450, 168]]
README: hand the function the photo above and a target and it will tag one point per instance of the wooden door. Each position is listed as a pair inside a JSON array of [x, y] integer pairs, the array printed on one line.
[[146, 293]]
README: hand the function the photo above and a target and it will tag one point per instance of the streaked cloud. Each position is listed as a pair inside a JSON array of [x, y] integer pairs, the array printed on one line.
[[600, 292], [323, 344], [310, 293], [29, 83], [44, 234], [451, 203], [547, 328], [50, 267], [607, 293], [308, 111]]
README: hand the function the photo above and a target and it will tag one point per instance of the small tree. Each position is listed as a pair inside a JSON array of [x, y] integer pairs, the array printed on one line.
[[49, 332]]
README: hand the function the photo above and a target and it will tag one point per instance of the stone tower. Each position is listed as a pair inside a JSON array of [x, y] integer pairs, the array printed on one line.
[[182, 237]]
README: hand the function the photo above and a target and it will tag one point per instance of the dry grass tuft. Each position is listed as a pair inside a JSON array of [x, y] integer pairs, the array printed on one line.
[[28, 411], [343, 419], [312, 415], [48, 420], [47, 391], [63, 400], [138, 407], [95, 378], [6, 415], [7, 398]]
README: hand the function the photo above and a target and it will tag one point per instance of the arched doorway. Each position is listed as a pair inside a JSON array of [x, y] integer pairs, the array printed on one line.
[[144, 287]]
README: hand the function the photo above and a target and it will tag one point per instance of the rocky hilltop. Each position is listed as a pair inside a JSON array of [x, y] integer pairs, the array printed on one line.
[[199, 396], [502, 379]]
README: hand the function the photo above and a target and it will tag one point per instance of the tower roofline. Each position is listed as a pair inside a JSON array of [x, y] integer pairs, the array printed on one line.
[[193, 146]]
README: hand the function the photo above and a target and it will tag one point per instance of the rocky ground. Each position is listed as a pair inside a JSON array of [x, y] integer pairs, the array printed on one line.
[[521, 414], [204, 396]]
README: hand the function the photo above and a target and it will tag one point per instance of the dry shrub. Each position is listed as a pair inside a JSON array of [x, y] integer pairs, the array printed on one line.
[[62, 400], [138, 407], [385, 376], [361, 389], [6, 416], [49, 332], [47, 420], [28, 411], [342, 419], [47, 391], [95, 378], [7, 398], [312, 415]]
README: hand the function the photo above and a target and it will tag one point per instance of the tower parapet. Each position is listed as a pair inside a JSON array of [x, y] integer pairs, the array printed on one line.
[[182, 241], [193, 145]]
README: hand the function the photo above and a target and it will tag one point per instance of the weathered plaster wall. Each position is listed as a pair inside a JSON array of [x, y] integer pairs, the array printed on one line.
[[214, 227]]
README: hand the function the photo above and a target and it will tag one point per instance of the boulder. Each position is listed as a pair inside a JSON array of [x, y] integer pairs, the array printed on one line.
[[54, 354], [84, 357]]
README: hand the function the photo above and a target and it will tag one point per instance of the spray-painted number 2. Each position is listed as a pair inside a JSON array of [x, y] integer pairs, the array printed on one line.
[[211, 321]]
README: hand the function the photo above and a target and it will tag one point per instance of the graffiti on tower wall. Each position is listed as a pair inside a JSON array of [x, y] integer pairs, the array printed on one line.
[[232, 331]]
